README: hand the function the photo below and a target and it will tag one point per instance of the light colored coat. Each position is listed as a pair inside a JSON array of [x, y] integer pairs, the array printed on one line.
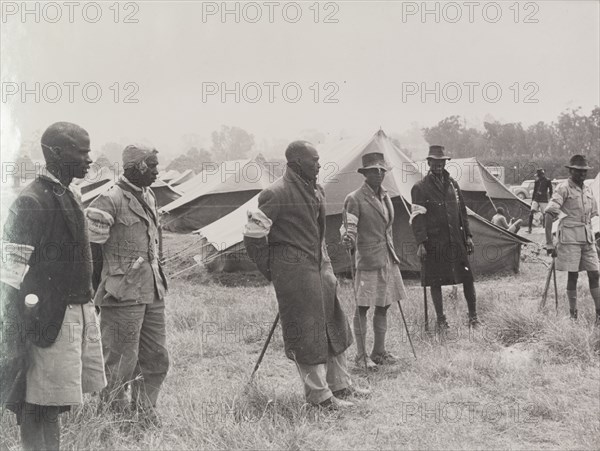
[[366, 222], [131, 272]]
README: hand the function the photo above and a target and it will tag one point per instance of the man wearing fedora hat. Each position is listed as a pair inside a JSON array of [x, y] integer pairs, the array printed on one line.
[[542, 191], [368, 217], [574, 205], [441, 228]]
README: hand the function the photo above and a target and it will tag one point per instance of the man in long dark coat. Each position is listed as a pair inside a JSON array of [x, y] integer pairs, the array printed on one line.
[[441, 228], [285, 237]]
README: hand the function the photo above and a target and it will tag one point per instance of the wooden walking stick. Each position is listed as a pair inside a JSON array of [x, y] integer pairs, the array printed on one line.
[[264, 349], [406, 327], [424, 294], [547, 286], [555, 288]]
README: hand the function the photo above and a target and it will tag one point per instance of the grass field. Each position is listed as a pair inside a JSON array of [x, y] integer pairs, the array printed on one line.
[[525, 380]]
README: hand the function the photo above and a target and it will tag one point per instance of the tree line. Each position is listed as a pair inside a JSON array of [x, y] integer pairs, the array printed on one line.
[[522, 150]]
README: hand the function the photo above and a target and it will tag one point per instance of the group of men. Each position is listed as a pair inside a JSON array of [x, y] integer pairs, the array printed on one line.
[[61, 257], [61, 266]]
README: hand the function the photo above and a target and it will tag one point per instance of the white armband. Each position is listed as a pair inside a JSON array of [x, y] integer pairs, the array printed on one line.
[[415, 211], [99, 224], [15, 259], [258, 226]]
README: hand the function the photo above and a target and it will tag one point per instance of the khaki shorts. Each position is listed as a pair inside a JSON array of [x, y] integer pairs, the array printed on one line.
[[539, 206], [576, 257], [59, 374]]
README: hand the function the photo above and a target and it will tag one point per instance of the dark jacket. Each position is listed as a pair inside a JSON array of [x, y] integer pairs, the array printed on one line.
[[443, 229], [295, 258], [542, 190], [50, 219], [372, 230]]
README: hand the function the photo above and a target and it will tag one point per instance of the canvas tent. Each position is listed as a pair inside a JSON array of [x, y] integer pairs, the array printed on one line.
[[167, 176], [164, 193], [483, 192], [214, 193], [184, 177], [496, 249]]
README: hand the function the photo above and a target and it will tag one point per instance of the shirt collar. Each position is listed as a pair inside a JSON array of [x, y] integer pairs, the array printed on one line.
[[49, 176], [134, 187], [572, 184], [382, 190]]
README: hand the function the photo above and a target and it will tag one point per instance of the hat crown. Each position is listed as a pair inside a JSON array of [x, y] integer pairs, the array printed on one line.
[[437, 152], [578, 160], [373, 159]]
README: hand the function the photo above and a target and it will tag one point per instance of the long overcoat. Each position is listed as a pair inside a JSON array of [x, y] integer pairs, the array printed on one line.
[[443, 229], [295, 258]]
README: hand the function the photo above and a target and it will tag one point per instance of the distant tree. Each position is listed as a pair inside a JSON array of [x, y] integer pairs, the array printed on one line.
[[313, 136], [102, 161], [193, 159], [113, 152], [231, 143]]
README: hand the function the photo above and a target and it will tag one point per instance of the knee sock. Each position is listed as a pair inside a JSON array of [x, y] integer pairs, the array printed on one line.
[[572, 297], [530, 220], [379, 330], [360, 329], [470, 296], [436, 298], [595, 292]]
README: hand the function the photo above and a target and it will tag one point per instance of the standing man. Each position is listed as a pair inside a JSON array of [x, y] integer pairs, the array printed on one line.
[[46, 289], [542, 192], [441, 228], [124, 228], [285, 237], [368, 217], [574, 205]]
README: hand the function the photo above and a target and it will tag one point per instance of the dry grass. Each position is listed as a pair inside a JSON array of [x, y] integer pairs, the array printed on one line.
[[525, 380]]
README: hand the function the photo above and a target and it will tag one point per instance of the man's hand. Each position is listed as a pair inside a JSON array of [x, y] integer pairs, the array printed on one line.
[[470, 245], [421, 251], [347, 241], [551, 250]]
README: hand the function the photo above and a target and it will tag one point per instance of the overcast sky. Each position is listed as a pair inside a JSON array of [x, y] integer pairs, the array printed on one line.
[[366, 55]]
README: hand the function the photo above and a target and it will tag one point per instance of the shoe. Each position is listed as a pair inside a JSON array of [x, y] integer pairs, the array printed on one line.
[[442, 325], [334, 403], [352, 391], [386, 358], [359, 361], [528, 230], [573, 314], [474, 321]]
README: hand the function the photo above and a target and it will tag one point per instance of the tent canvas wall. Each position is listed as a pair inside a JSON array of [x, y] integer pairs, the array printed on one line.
[[483, 192], [164, 193], [184, 177], [215, 193], [495, 248]]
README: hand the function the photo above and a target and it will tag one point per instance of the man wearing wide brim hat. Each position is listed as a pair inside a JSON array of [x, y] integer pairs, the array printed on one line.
[[574, 248], [441, 228], [368, 216], [542, 192]]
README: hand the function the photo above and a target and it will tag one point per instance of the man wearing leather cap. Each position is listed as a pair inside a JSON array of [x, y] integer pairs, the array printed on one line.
[[368, 216], [124, 225], [441, 228], [574, 206]]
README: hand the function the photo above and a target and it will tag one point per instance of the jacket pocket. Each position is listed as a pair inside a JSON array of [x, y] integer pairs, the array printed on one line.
[[124, 287], [572, 234]]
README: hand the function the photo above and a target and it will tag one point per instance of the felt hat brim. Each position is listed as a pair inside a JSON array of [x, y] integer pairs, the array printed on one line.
[[430, 157], [583, 168], [374, 166]]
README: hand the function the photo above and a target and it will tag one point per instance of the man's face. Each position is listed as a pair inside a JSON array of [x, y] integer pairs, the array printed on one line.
[[436, 166], [151, 174], [309, 162], [75, 157], [374, 176], [578, 175]]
